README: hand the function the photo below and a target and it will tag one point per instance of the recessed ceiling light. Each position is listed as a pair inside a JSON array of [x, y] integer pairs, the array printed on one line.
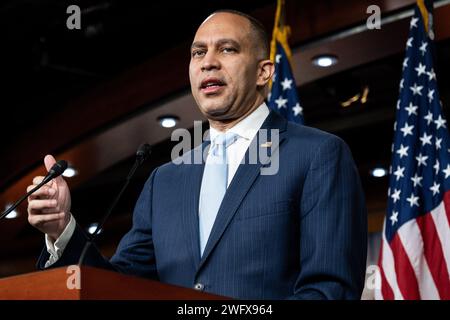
[[324, 60], [70, 172], [378, 172], [93, 227], [13, 214], [168, 121]]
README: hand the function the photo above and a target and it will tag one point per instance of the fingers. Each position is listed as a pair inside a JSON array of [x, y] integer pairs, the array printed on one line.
[[38, 219], [45, 189], [48, 210], [38, 179], [38, 204], [44, 192]]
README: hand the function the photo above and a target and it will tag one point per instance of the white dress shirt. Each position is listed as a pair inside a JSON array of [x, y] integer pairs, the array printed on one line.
[[56, 249], [246, 130]]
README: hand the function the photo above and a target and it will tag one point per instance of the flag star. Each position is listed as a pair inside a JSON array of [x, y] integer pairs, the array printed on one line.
[[405, 63], [281, 103], [269, 96], [413, 22], [396, 195], [416, 89], [426, 139], [287, 84], [423, 48], [430, 95], [297, 109], [395, 126], [420, 69], [447, 171], [440, 122], [421, 160], [416, 180], [411, 109], [436, 166], [399, 172], [438, 143], [401, 83], [277, 58], [431, 75], [389, 192], [429, 117], [274, 77], [409, 42], [435, 188], [398, 104], [403, 151], [407, 129], [394, 217], [413, 200]]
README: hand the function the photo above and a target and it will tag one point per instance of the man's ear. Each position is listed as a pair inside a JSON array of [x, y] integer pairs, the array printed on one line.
[[265, 72]]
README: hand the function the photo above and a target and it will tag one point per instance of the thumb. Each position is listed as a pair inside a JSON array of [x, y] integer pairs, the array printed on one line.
[[49, 161]]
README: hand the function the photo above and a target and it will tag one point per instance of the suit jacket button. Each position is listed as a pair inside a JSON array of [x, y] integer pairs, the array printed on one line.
[[199, 286]]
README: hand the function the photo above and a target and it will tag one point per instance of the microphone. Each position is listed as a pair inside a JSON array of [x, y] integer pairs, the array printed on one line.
[[55, 171], [142, 154]]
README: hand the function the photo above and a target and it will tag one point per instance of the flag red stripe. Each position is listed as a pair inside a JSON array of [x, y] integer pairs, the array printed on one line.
[[447, 206], [406, 277], [386, 290], [433, 252]]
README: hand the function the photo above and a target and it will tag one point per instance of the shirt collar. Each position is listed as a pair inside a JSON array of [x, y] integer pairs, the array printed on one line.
[[247, 127]]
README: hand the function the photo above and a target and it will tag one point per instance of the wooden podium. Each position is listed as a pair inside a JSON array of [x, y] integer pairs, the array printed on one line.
[[87, 283]]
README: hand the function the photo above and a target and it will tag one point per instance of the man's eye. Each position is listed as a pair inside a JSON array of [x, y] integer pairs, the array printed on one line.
[[198, 53], [228, 50]]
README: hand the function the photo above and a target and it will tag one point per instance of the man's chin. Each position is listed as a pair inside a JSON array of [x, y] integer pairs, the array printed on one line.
[[215, 112]]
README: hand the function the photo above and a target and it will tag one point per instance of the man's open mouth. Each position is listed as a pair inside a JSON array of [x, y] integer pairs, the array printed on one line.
[[211, 85]]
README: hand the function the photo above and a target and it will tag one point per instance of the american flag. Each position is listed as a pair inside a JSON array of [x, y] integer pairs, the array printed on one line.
[[283, 96], [414, 257]]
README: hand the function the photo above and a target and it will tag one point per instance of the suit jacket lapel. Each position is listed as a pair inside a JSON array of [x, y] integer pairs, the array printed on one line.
[[192, 182], [243, 180]]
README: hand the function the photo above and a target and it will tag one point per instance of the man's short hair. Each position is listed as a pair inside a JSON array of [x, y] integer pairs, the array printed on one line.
[[262, 38]]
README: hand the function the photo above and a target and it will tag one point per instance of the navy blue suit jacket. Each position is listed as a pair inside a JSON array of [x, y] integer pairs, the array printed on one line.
[[298, 234]]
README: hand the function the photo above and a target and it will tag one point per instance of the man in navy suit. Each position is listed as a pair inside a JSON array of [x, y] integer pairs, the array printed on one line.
[[298, 232]]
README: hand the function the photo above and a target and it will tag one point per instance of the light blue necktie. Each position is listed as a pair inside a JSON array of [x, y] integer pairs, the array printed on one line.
[[214, 185]]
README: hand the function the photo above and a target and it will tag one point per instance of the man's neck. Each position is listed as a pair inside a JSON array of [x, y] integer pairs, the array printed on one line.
[[224, 126]]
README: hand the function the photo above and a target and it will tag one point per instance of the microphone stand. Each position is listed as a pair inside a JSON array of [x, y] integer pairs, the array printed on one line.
[[142, 154]]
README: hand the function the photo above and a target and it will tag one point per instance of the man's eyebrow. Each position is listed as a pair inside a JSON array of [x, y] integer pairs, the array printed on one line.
[[228, 41], [220, 42], [198, 44]]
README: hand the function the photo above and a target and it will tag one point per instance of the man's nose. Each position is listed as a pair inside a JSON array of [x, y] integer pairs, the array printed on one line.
[[210, 62]]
